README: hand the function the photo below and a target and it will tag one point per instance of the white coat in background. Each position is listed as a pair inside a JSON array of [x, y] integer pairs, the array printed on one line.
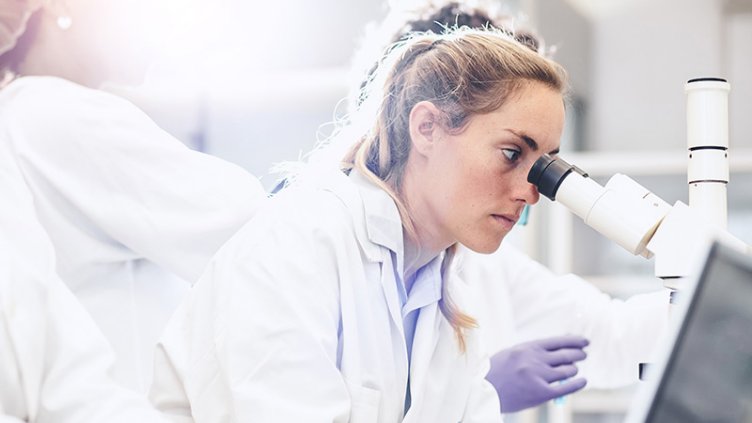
[[518, 299], [54, 362], [298, 319], [133, 214]]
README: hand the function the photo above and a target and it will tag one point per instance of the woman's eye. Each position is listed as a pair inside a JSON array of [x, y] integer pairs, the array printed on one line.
[[511, 154]]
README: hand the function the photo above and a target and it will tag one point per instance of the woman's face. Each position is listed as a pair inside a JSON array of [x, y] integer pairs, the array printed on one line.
[[476, 180]]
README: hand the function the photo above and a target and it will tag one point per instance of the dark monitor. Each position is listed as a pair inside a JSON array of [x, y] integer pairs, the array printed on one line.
[[707, 374]]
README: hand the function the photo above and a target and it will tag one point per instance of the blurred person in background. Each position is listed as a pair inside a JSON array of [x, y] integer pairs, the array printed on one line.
[[132, 215]]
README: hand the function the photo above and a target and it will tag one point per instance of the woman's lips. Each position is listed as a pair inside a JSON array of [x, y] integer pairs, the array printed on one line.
[[506, 220]]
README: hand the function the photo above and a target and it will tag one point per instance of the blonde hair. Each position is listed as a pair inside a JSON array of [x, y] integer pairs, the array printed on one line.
[[464, 72], [410, 16]]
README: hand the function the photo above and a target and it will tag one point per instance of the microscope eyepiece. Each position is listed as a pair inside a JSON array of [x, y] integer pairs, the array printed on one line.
[[548, 173]]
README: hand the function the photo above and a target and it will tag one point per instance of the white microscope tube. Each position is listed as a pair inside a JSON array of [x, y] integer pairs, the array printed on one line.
[[622, 217], [707, 144]]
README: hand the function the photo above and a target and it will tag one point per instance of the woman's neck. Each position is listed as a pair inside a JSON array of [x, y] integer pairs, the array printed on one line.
[[415, 257], [429, 240]]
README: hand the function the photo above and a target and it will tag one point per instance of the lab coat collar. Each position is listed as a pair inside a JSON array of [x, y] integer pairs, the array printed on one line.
[[382, 219], [378, 227], [427, 286]]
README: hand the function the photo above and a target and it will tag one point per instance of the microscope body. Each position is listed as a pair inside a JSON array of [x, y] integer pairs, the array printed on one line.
[[641, 222]]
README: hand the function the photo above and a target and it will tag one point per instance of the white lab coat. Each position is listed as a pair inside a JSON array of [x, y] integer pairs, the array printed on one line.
[[54, 362], [517, 299], [133, 214], [298, 319]]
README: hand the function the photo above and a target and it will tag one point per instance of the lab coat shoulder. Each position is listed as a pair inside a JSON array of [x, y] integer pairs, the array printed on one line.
[[36, 107], [165, 202], [313, 221], [258, 335], [310, 231]]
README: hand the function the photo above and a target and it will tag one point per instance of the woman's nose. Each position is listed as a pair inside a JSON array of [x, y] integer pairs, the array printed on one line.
[[529, 193]]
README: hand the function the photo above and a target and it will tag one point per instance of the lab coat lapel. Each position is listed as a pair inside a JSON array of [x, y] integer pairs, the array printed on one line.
[[389, 286], [384, 228], [427, 335]]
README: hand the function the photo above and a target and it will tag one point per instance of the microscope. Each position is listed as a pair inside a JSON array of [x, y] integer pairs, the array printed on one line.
[[641, 222]]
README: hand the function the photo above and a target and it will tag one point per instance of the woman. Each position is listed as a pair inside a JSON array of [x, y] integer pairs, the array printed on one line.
[[525, 312], [338, 301], [133, 215]]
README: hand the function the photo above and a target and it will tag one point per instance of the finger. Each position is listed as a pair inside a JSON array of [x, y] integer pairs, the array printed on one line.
[[565, 341], [564, 356], [555, 374], [569, 387]]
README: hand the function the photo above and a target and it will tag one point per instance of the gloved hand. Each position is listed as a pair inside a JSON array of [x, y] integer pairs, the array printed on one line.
[[529, 374]]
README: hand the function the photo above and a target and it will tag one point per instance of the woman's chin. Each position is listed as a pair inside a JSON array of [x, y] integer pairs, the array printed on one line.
[[486, 246]]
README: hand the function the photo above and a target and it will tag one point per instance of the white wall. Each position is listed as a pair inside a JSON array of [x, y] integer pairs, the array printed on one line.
[[277, 118], [628, 68], [739, 64], [571, 34], [642, 58], [628, 62]]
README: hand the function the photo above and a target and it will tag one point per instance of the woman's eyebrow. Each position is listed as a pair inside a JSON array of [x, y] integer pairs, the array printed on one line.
[[532, 143], [528, 140]]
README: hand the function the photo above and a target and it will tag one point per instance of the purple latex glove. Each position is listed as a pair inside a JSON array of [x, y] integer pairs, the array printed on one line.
[[529, 374]]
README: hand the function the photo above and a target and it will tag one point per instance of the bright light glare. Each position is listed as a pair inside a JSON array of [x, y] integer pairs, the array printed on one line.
[[190, 31], [185, 28], [227, 42]]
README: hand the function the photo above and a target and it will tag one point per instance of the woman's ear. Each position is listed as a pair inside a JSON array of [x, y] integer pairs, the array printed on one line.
[[424, 126]]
